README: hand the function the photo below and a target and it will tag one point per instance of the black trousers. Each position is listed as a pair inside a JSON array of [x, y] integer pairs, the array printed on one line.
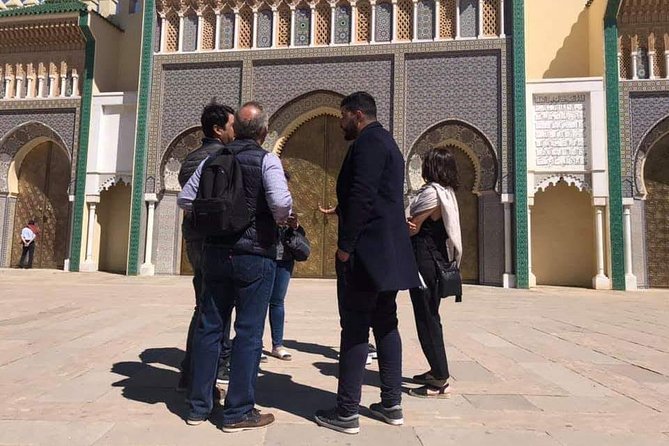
[[358, 311], [194, 251], [29, 252], [426, 303]]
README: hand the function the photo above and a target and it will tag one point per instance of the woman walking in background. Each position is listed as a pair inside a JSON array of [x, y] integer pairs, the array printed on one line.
[[434, 226]]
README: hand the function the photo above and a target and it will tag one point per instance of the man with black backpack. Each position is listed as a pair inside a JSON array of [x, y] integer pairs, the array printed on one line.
[[217, 127], [237, 196]]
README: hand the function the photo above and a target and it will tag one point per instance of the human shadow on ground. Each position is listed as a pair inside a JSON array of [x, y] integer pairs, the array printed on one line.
[[149, 384], [370, 378], [308, 347], [281, 392]]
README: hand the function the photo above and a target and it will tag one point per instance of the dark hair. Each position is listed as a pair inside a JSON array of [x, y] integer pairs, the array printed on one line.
[[251, 128], [31, 222], [439, 167], [214, 114], [362, 101]]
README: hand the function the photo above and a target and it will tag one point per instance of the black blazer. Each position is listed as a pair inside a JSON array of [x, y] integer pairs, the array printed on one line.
[[372, 225]]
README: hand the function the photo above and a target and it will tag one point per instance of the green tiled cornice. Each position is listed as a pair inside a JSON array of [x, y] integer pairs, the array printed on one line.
[[613, 143], [48, 7], [520, 144], [82, 155], [141, 139]]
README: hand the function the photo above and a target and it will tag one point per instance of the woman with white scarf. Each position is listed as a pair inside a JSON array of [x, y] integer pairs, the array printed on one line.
[[434, 226]]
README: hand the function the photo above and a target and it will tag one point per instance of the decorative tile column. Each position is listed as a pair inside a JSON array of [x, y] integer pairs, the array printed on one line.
[[254, 32], [437, 21], [292, 25], [217, 31], [235, 41], [508, 278], [333, 18], [181, 33], [501, 19], [354, 23], [89, 263], [312, 25], [600, 281], [148, 268], [75, 83], [372, 30], [394, 24], [163, 32], [275, 25], [480, 19], [532, 278], [457, 19], [630, 278], [18, 83], [200, 21], [414, 36]]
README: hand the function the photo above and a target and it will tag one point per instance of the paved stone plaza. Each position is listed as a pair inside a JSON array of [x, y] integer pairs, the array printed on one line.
[[90, 359]]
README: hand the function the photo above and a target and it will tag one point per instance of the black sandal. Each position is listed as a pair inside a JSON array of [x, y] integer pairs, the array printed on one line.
[[428, 391]]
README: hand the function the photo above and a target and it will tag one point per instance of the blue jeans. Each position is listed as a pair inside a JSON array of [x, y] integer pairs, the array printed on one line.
[[194, 251], [242, 282], [277, 312]]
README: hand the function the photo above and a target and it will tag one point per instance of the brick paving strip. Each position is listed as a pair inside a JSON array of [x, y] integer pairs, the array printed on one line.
[[91, 359]]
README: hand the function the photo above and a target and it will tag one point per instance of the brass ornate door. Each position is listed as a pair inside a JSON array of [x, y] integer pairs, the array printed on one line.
[[43, 181], [313, 156]]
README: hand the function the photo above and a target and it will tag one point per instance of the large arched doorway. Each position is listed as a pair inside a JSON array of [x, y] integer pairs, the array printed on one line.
[[313, 155], [170, 244], [563, 236], [656, 180], [43, 181], [477, 171], [468, 204]]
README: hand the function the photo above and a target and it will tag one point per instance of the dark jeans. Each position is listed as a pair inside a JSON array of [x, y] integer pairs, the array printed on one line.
[[426, 311], [358, 311], [29, 252], [277, 312], [244, 282], [194, 251]]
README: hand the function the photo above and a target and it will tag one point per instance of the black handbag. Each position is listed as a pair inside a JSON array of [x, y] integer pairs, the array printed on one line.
[[296, 242], [449, 279]]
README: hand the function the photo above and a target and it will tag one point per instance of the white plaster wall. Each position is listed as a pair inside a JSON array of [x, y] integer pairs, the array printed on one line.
[[593, 118], [112, 139]]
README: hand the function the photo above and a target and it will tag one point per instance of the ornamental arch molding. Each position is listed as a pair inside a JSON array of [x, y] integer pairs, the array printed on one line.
[[16, 144], [291, 116], [173, 157], [581, 183], [465, 137], [648, 142]]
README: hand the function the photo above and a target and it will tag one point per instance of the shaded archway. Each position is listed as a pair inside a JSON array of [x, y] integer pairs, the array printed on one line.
[[168, 241], [42, 182], [113, 216], [482, 260], [656, 185], [563, 235]]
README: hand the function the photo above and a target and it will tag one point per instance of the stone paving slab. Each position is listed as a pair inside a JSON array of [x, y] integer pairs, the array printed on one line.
[[92, 359]]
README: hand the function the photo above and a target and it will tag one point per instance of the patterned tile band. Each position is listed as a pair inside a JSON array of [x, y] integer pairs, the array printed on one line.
[[82, 158], [613, 139], [520, 144], [141, 140]]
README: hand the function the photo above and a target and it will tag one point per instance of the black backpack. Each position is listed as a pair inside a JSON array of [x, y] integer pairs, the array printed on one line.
[[220, 207]]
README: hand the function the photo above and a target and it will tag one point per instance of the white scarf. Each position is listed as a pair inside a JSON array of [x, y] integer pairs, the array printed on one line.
[[429, 197]]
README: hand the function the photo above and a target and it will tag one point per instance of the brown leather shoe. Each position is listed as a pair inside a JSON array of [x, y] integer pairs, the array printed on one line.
[[255, 420]]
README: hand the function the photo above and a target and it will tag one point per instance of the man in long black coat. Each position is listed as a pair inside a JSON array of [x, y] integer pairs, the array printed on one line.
[[374, 261]]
